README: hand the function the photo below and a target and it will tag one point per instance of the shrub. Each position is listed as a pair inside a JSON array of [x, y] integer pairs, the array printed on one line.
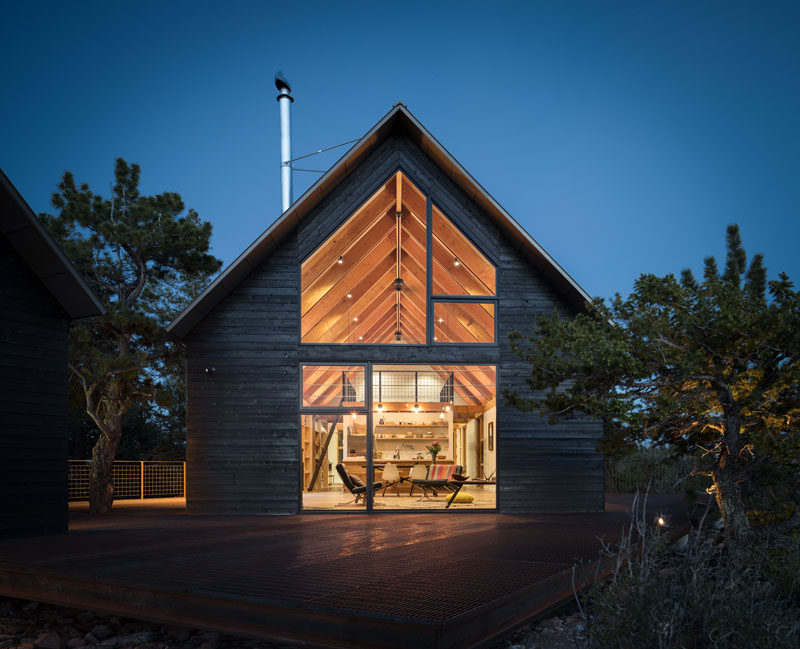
[[693, 594]]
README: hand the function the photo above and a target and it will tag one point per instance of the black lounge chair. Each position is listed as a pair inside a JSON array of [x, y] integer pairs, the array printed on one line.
[[354, 484]]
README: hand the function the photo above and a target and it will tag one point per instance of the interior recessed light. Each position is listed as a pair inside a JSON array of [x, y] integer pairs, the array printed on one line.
[[435, 338], [441, 319], [361, 337], [349, 295], [341, 261], [355, 319], [456, 262]]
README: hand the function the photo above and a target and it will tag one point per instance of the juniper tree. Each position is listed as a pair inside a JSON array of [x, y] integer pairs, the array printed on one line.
[[145, 257], [711, 366]]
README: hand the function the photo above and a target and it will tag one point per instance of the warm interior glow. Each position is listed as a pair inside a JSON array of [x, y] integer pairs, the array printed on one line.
[[378, 287], [459, 268], [368, 281], [452, 407], [464, 322]]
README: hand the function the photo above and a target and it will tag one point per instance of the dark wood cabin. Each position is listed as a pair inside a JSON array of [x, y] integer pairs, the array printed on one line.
[[367, 324], [41, 293]]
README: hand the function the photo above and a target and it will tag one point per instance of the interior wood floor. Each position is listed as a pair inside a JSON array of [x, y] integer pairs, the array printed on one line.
[[336, 499]]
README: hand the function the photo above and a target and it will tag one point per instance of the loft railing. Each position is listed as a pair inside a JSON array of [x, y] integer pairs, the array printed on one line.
[[151, 479]]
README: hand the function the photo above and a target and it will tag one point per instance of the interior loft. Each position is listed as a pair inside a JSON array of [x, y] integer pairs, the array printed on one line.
[[430, 388], [367, 283]]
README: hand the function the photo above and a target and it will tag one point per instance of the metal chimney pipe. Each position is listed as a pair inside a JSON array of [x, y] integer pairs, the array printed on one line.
[[284, 101]]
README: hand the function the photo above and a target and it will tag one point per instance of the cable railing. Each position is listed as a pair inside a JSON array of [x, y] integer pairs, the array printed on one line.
[[148, 479]]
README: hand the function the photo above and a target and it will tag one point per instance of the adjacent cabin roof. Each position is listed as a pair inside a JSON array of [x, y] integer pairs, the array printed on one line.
[[398, 120], [46, 260]]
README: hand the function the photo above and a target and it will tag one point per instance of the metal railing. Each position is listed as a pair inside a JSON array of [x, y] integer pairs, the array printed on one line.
[[151, 479]]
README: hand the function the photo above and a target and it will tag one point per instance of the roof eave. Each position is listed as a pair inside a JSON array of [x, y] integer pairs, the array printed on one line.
[[44, 257], [399, 117]]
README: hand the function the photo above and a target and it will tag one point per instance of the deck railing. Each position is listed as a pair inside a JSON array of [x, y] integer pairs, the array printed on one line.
[[150, 479]]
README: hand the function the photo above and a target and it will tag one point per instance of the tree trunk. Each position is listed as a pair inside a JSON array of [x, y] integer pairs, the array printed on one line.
[[101, 484], [729, 500]]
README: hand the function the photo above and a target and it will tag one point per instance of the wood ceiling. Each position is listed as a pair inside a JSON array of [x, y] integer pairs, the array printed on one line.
[[474, 385], [348, 290]]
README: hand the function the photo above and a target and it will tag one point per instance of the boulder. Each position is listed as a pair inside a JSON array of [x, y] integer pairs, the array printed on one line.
[[101, 631], [49, 640]]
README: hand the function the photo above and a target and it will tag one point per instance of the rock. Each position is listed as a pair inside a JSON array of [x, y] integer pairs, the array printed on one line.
[[517, 646], [178, 633], [211, 639], [86, 617], [580, 627], [12, 627], [205, 645], [28, 644], [132, 639], [90, 639], [48, 640], [75, 643], [30, 606], [101, 632]]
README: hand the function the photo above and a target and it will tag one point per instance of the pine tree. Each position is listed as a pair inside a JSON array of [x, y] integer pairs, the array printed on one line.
[[711, 367], [145, 257]]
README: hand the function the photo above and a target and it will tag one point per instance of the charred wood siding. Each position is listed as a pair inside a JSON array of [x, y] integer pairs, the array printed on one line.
[[33, 402], [243, 425], [541, 467], [242, 453]]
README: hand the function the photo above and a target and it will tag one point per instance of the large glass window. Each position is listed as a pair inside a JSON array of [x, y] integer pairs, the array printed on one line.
[[459, 268], [326, 440], [433, 440], [368, 282]]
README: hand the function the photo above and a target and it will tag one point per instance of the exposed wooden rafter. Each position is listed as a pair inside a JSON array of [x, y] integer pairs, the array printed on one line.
[[349, 290]]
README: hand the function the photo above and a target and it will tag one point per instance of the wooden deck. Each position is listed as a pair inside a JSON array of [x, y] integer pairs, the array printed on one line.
[[386, 581]]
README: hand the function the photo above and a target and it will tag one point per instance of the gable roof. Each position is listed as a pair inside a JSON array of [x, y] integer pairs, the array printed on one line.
[[46, 260], [398, 120]]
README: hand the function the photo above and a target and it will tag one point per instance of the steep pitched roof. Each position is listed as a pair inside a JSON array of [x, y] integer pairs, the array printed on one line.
[[398, 120], [46, 260]]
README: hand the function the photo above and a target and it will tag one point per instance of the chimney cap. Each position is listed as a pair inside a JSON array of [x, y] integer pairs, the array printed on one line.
[[281, 83]]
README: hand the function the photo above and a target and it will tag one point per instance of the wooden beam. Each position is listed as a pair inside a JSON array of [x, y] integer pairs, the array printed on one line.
[[398, 202], [367, 289], [375, 242], [366, 308], [459, 246], [359, 283], [347, 236]]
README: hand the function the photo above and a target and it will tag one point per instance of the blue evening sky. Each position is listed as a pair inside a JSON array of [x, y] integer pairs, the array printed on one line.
[[622, 136]]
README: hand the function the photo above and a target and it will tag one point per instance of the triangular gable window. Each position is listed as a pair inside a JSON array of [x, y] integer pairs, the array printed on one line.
[[367, 283]]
